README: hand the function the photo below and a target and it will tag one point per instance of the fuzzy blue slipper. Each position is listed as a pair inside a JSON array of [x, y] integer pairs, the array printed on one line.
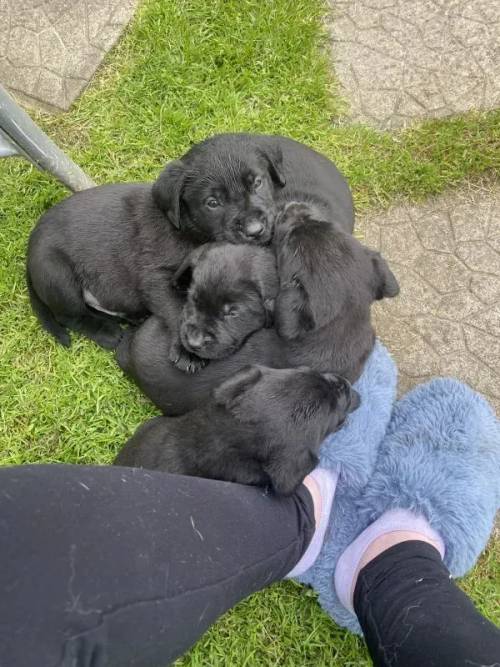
[[440, 458], [352, 453]]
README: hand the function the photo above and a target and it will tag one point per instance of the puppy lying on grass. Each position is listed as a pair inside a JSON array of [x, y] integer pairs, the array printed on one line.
[[261, 427], [328, 282], [109, 253], [232, 186]]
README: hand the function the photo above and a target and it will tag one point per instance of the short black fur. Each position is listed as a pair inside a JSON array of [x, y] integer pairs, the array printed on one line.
[[231, 187], [108, 254], [230, 293], [328, 282], [261, 427]]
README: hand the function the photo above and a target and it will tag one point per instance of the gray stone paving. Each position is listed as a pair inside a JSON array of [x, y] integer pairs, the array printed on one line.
[[403, 60], [49, 49], [446, 256]]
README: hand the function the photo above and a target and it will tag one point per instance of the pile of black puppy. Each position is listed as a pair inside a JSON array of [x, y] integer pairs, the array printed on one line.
[[235, 296]]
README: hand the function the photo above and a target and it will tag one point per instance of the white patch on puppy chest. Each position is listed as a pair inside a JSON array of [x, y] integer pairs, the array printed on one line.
[[91, 301]]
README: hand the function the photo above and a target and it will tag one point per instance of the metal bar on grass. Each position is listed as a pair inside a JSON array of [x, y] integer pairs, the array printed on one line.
[[20, 135]]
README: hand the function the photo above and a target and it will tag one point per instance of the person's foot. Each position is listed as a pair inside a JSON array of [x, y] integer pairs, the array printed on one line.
[[436, 478], [393, 527], [321, 484]]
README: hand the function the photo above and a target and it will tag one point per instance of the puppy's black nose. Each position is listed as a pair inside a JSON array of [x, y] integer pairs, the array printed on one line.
[[254, 229], [195, 338]]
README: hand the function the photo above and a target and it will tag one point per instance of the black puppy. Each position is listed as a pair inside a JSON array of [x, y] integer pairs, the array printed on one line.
[[230, 294], [262, 427], [111, 251], [229, 299], [107, 251], [328, 281], [231, 187]]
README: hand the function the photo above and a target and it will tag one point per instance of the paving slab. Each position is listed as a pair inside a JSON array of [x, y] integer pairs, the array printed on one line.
[[399, 61], [446, 256], [49, 49]]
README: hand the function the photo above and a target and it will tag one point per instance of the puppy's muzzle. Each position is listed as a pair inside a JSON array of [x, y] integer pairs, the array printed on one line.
[[195, 338], [254, 228]]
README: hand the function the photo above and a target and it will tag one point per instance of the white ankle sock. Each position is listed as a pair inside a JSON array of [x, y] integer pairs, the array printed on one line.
[[326, 483], [391, 521]]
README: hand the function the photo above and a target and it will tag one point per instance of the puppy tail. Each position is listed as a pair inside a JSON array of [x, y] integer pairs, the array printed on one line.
[[45, 316]]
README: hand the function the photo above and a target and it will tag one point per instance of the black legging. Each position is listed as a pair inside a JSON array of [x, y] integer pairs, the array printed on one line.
[[117, 567]]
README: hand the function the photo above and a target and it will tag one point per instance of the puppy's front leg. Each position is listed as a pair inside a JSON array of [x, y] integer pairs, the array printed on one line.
[[167, 303]]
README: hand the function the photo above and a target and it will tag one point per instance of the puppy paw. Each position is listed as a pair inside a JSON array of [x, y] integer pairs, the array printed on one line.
[[184, 360], [190, 363]]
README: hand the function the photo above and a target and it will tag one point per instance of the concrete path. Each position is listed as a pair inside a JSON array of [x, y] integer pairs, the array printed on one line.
[[446, 256], [49, 49], [399, 61]]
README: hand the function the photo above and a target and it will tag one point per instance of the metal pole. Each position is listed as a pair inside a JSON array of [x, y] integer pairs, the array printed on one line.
[[19, 134]]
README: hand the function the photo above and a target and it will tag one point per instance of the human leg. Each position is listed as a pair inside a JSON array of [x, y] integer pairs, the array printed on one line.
[[430, 506], [116, 566], [411, 611]]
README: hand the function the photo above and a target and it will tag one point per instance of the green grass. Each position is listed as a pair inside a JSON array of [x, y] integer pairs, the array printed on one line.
[[186, 69]]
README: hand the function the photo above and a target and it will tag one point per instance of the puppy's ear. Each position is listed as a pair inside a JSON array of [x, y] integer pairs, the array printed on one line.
[[286, 469], [385, 283], [274, 158], [230, 391], [167, 191], [182, 277], [292, 312]]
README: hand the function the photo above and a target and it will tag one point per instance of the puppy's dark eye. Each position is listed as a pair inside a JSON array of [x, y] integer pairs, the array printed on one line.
[[212, 202], [257, 182], [229, 310]]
